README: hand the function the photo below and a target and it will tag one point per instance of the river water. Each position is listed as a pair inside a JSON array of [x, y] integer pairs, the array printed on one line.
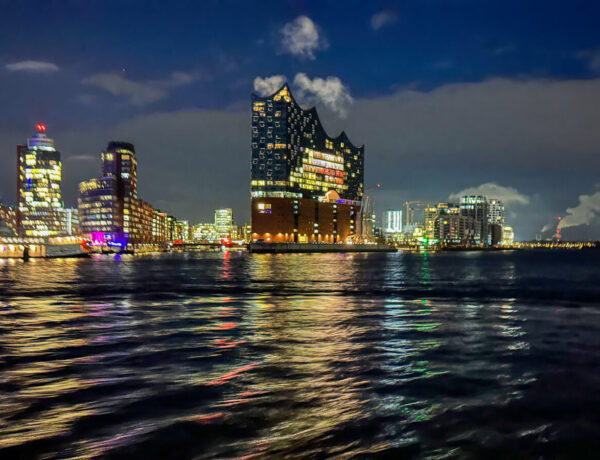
[[204, 355]]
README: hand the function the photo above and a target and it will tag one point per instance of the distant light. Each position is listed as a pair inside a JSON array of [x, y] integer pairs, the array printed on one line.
[[41, 127]]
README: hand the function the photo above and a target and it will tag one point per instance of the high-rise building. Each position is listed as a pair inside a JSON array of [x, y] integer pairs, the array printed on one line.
[[496, 212], [39, 175], [430, 214], [476, 207], [451, 227], [106, 204], [110, 211], [223, 222], [305, 185]]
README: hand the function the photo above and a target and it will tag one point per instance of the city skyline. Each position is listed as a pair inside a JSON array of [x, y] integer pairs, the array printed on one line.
[[513, 107]]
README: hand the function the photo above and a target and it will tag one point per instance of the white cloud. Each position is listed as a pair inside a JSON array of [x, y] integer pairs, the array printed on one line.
[[382, 19], [330, 92], [117, 85], [491, 190], [139, 93], [268, 85], [32, 66], [584, 213], [178, 79], [302, 38]]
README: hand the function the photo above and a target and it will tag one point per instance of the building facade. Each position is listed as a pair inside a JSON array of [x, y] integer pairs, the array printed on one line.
[[110, 211], [39, 176], [305, 185], [224, 222], [477, 208], [8, 223], [106, 204], [69, 221]]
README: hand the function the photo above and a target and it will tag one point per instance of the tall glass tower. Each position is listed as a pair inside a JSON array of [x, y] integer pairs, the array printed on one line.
[[39, 175]]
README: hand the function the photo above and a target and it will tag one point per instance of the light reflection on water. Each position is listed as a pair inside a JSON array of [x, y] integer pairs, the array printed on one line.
[[229, 354]]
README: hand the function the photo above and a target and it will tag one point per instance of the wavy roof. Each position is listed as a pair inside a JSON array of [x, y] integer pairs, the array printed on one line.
[[313, 110]]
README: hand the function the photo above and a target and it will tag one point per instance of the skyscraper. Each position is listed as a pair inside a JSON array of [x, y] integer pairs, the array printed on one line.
[[477, 208], [305, 185], [106, 204], [39, 175]]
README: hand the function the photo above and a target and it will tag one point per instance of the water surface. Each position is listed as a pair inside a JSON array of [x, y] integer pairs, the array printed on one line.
[[204, 355]]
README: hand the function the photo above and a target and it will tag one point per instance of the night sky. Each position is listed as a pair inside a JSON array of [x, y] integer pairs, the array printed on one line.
[[446, 96]]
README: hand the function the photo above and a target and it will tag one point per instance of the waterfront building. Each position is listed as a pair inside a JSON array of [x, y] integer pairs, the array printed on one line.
[[205, 233], [496, 212], [7, 220], [110, 211], [69, 221], [508, 236], [106, 203], [477, 208], [450, 226], [495, 220], [224, 222], [39, 175], [305, 185], [181, 231], [247, 233], [430, 213]]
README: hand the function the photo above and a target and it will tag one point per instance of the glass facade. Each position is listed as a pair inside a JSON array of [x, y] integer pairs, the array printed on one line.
[[223, 222], [293, 157], [106, 204], [39, 176], [305, 185]]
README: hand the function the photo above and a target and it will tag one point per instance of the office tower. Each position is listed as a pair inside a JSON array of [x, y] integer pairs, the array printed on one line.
[[392, 221], [476, 207], [39, 174], [305, 185], [223, 222], [106, 204]]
